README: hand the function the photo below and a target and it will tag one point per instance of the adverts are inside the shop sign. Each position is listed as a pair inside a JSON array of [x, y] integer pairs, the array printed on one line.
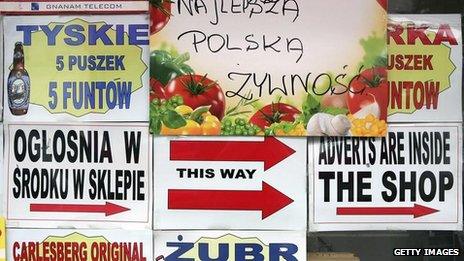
[[410, 180], [268, 68]]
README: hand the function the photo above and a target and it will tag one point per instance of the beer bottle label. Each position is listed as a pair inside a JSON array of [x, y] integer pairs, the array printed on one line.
[[18, 91]]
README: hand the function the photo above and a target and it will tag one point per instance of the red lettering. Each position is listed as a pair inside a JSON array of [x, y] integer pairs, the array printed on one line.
[[418, 32], [394, 32], [432, 91], [15, 255], [445, 34]]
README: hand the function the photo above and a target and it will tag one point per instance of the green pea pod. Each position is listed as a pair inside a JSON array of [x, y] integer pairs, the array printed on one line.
[[165, 67]]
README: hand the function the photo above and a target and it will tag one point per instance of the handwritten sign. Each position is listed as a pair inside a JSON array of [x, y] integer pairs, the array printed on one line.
[[425, 68], [83, 175], [76, 68], [269, 67]]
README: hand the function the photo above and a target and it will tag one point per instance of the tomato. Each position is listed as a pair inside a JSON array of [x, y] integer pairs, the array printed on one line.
[[370, 87], [197, 91], [274, 113], [383, 3], [156, 90], [160, 12]]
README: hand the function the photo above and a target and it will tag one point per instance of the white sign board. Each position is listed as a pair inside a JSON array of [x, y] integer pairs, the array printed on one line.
[[77, 175], [229, 183], [65, 244], [411, 180], [230, 245], [76, 68], [425, 68]]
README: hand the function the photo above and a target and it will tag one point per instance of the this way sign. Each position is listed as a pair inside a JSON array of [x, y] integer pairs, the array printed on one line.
[[229, 183], [410, 180], [77, 175]]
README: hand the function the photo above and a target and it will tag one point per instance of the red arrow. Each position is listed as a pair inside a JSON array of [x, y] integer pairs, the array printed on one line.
[[416, 211], [270, 151], [268, 200], [108, 208], [383, 3]]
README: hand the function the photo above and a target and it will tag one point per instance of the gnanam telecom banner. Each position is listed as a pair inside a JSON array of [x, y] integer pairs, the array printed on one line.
[[425, 68], [247, 68], [76, 68], [83, 245]]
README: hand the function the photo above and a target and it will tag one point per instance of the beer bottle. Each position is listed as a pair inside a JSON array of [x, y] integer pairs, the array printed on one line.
[[18, 83]]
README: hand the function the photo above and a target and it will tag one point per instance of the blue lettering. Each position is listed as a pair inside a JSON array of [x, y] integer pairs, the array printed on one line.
[[72, 62], [182, 248], [203, 252], [119, 64], [66, 93], [27, 31], [101, 86], [124, 92], [119, 34], [244, 251], [51, 34], [134, 34], [73, 31], [78, 99], [95, 34], [111, 95], [89, 95], [286, 251]]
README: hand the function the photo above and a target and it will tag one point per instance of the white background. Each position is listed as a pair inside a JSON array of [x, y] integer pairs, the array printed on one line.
[[139, 215], [288, 177], [322, 215]]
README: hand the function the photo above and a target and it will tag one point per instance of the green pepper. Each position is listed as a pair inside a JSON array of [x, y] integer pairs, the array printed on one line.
[[165, 67]]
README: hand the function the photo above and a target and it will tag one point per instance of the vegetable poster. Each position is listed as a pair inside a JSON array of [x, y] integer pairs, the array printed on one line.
[[425, 68], [274, 68], [76, 67]]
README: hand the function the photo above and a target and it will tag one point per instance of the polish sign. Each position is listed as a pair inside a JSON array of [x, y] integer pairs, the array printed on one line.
[[271, 64], [83, 175], [230, 245], [88, 245], [229, 183], [411, 180], [425, 68], [76, 68]]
